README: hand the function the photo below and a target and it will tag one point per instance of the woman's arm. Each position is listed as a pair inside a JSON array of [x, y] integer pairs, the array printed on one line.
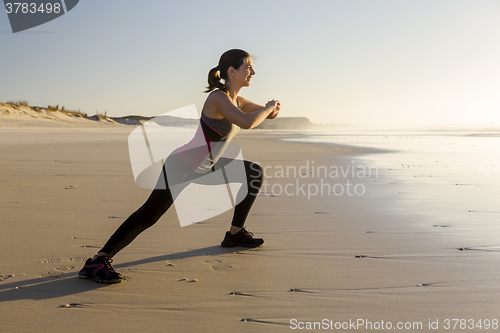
[[248, 107], [228, 110]]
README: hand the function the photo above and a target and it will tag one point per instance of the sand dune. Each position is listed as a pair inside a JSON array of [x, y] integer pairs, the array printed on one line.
[[23, 115]]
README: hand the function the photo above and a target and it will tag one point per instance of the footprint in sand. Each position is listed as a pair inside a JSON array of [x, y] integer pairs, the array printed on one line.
[[52, 274], [187, 280], [237, 293], [217, 265], [72, 305], [361, 256], [51, 260], [129, 269], [5, 277], [78, 259], [250, 320], [295, 290], [485, 248], [64, 268]]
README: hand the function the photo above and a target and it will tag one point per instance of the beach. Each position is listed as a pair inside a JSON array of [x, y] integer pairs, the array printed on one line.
[[356, 245]]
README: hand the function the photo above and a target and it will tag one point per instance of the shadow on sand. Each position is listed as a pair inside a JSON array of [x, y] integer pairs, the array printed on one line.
[[70, 284]]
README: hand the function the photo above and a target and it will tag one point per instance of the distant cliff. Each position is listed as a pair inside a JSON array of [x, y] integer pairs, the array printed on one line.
[[295, 123]]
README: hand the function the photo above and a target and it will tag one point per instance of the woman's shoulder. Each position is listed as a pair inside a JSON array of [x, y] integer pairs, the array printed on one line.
[[213, 103], [217, 98], [217, 94]]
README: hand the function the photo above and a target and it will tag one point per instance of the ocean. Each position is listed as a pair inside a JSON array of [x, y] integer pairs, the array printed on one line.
[[450, 179]]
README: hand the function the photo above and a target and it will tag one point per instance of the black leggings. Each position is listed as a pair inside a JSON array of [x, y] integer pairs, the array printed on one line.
[[160, 201]]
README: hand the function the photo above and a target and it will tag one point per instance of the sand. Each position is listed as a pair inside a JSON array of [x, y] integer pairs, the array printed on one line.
[[333, 259]]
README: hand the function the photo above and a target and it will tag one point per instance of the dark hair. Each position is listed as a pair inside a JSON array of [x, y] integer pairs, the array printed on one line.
[[232, 58]]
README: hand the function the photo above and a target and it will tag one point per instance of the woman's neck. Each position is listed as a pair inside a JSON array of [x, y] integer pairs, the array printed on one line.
[[233, 92]]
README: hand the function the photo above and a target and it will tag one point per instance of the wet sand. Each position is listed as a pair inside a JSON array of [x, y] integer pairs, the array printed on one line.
[[379, 256]]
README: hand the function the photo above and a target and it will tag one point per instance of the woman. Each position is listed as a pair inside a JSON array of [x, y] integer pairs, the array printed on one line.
[[223, 114]]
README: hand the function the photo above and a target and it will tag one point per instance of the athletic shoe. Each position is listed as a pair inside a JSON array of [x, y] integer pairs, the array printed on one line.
[[100, 270], [241, 238]]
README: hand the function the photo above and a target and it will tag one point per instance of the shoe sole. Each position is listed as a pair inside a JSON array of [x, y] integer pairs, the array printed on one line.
[[233, 244], [85, 276], [108, 281]]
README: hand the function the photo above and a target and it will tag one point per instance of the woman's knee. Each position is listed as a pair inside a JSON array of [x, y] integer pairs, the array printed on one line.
[[255, 175], [254, 171]]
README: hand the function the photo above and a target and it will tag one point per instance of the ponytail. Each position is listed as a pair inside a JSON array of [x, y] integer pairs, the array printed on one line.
[[214, 80], [232, 58]]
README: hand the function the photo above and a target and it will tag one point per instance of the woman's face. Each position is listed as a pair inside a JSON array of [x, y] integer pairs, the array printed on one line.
[[243, 75]]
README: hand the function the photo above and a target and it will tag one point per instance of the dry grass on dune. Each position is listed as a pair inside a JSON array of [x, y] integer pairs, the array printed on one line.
[[18, 105]]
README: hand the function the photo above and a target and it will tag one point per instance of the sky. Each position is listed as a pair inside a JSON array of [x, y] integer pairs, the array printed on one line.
[[358, 62]]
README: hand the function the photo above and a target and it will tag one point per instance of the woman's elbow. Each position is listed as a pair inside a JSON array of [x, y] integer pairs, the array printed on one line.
[[252, 124], [249, 121], [247, 126]]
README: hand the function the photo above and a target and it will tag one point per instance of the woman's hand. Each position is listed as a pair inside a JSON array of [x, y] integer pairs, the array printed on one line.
[[272, 103], [276, 104]]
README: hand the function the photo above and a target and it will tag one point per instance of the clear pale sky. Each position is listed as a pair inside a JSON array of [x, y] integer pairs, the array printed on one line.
[[412, 62]]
